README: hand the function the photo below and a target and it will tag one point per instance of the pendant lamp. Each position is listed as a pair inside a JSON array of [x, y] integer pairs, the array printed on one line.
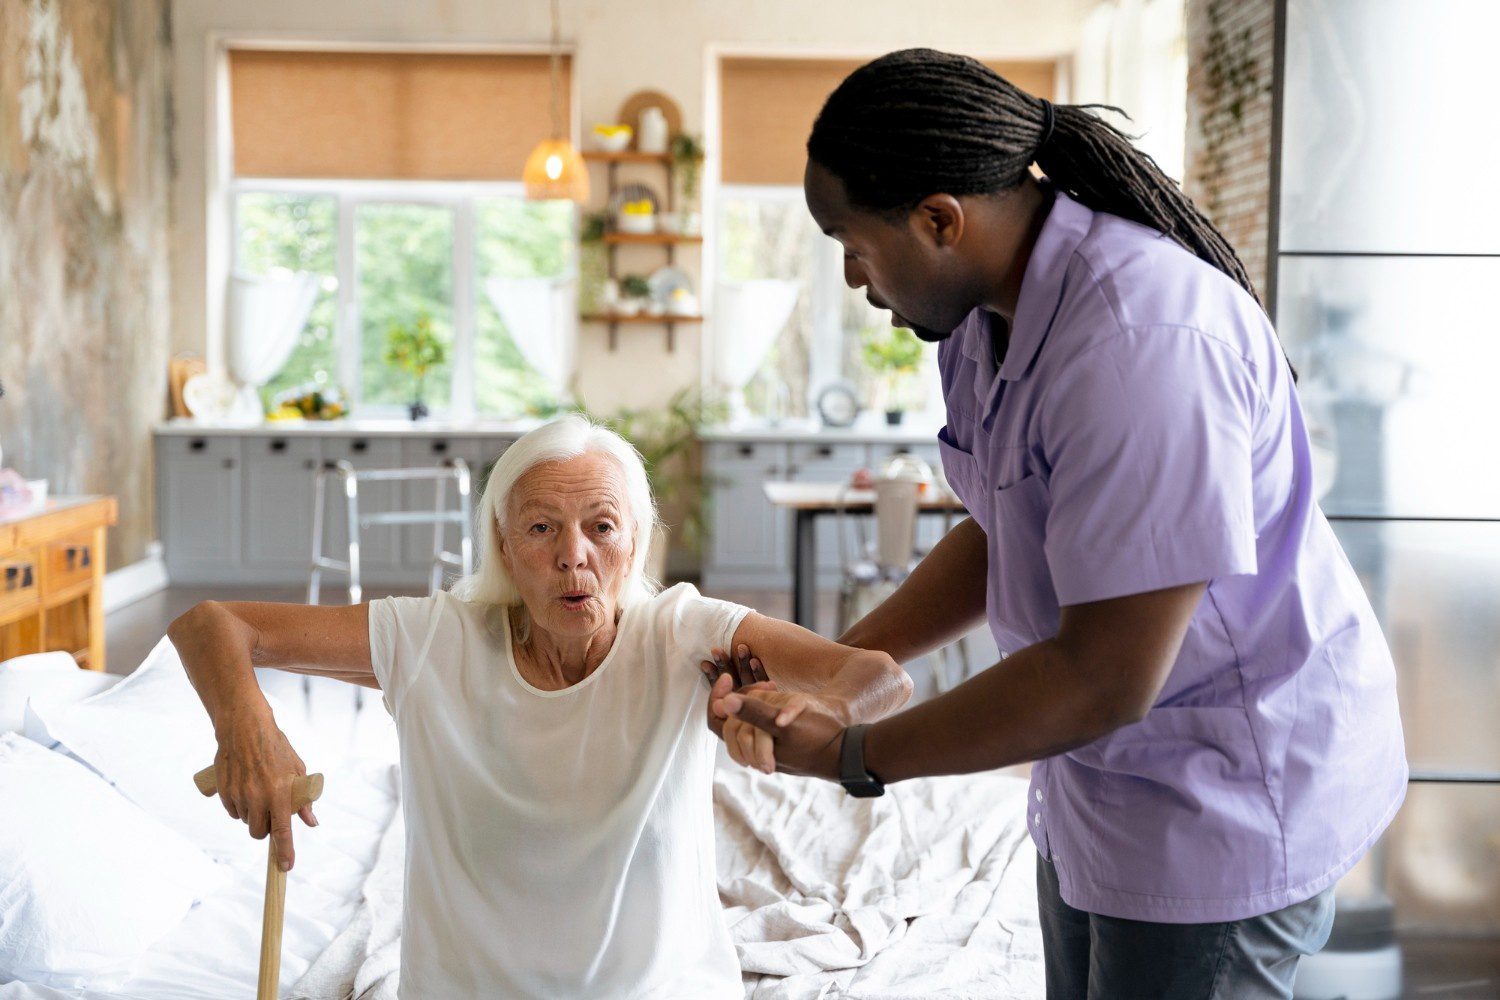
[[554, 169]]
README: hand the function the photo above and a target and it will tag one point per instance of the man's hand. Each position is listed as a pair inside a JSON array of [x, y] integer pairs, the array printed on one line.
[[805, 737]]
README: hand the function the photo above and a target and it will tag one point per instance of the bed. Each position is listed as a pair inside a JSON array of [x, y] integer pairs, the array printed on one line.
[[926, 892]]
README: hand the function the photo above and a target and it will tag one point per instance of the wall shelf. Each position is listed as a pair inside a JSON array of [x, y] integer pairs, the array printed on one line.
[[628, 156], [614, 319], [613, 240], [658, 239]]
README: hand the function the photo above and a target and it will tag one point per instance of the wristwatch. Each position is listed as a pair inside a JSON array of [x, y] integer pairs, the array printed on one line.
[[853, 775]]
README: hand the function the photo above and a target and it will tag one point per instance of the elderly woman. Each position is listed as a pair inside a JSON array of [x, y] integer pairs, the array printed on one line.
[[550, 710]]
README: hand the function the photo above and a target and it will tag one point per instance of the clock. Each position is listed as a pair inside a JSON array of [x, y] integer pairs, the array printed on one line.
[[838, 404]]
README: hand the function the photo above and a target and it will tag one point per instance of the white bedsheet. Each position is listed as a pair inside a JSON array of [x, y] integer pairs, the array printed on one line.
[[926, 892]]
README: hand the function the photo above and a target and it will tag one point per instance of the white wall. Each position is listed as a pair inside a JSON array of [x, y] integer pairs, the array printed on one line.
[[620, 46]]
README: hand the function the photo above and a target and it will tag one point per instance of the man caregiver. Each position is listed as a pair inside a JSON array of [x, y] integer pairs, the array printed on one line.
[[1193, 667]]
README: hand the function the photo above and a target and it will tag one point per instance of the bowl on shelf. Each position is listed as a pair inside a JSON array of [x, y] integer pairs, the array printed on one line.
[[636, 224], [613, 138]]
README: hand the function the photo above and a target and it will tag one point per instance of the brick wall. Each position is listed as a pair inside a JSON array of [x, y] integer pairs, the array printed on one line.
[[1230, 70]]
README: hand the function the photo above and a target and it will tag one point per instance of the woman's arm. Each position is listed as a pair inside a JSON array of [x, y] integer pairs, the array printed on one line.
[[220, 645], [807, 670]]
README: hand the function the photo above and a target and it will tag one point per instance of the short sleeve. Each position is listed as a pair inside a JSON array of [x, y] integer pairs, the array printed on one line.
[[1148, 437], [401, 630], [699, 624]]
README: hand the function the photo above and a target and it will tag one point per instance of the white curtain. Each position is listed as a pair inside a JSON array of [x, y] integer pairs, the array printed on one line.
[[539, 312], [1133, 55], [748, 317], [266, 314]]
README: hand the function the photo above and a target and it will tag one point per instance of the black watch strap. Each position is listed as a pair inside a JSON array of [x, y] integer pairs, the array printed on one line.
[[853, 775]]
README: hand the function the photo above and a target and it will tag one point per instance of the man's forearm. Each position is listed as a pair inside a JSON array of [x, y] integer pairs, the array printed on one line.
[[1031, 705], [940, 601]]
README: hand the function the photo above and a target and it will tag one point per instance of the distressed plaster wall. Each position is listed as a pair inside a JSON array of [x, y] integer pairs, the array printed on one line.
[[85, 178]]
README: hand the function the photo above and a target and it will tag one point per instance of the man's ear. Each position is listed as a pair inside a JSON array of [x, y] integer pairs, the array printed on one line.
[[939, 218]]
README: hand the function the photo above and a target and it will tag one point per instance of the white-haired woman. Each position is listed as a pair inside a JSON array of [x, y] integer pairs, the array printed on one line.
[[556, 765]]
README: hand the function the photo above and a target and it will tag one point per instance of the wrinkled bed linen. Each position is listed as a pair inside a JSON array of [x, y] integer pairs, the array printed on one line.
[[926, 892]]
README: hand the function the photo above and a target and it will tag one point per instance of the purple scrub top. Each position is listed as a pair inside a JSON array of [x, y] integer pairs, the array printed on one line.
[[1143, 432]]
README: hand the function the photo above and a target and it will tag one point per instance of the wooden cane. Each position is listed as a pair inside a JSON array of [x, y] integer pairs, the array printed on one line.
[[305, 789]]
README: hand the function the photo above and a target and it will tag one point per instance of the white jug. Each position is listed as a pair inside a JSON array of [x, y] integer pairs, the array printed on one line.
[[652, 137]]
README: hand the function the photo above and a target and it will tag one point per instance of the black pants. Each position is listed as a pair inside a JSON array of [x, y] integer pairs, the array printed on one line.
[[1090, 957]]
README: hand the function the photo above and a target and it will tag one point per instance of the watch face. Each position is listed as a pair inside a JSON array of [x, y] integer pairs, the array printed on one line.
[[838, 405]]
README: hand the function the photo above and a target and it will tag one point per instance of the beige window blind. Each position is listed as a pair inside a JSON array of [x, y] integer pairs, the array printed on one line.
[[768, 107], [389, 115]]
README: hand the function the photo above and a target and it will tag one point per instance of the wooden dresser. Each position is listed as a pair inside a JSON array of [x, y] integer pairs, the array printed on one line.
[[52, 579]]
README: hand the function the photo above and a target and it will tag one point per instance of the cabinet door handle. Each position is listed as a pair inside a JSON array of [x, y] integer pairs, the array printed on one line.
[[278, 445], [359, 445], [746, 450], [197, 444], [77, 556], [825, 450], [440, 446]]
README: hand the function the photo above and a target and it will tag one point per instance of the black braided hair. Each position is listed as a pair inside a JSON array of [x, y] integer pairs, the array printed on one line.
[[918, 121]]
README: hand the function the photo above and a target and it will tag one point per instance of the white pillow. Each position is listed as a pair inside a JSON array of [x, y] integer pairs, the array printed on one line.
[[54, 676], [147, 736], [87, 880]]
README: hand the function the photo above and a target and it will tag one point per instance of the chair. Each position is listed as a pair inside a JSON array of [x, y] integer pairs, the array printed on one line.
[[880, 567], [454, 471]]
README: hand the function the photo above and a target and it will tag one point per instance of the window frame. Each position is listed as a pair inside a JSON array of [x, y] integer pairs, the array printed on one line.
[[826, 363], [459, 197]]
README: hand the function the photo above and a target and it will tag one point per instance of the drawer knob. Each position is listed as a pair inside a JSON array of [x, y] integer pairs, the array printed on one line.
[[825, 450], [360, 445], [197, 444], [440, 446], [278, 445], [746, 450]]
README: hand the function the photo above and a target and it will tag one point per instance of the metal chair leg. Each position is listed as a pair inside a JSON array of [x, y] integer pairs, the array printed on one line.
[[351, 494], [466, 518], [315, 577], [435, 568]]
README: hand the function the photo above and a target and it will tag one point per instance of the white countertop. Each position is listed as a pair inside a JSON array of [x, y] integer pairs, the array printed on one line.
[[351, 427], [788, 431]]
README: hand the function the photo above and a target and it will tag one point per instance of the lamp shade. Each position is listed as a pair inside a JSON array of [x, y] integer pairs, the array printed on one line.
[[554, 170]]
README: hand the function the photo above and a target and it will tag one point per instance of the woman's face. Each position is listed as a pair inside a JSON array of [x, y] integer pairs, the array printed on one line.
[[567, 542]]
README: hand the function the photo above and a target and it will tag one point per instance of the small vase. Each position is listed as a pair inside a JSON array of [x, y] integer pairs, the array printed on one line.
[[893, 417], [418, 410]]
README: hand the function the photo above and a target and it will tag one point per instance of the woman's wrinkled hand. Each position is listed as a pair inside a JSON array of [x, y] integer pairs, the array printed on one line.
[[743, 675], [255, 767]]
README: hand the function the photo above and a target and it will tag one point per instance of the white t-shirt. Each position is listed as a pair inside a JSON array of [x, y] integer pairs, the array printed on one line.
[[559, 843]]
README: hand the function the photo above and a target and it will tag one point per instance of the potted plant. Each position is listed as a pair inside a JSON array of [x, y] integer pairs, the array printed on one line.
[[415, 349], [592, 263], [894, 356], [666, 436], [687, 158], [636, 293]]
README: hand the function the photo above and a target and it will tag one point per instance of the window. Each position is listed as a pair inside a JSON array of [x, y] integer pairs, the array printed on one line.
[[766, 109], [767, 232], [395, 177], [295, 232], [409, 250]]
